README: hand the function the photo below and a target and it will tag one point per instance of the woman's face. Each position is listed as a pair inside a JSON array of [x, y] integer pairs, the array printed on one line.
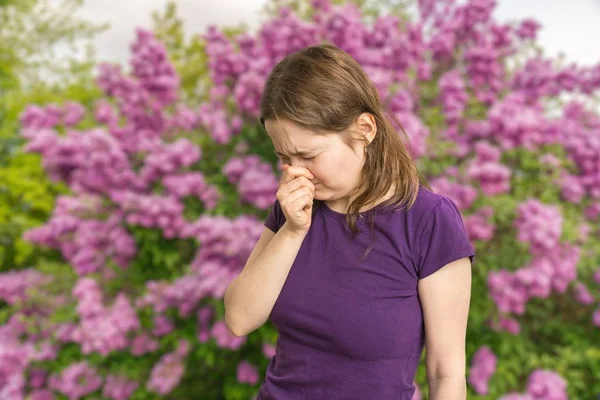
[[335, 166]]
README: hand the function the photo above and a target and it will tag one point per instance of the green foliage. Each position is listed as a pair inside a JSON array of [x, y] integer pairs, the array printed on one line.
[[371, 9], [157, 258], [188, 56], [27, 195], [30, 30]]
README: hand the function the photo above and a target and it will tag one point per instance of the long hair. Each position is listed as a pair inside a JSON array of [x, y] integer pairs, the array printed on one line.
[[323, 89]]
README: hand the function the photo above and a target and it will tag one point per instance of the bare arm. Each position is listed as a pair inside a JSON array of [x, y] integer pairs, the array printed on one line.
[[445, 297], [250, 298]]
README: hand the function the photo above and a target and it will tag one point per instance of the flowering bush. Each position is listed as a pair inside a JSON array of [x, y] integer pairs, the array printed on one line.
[[168, 199]]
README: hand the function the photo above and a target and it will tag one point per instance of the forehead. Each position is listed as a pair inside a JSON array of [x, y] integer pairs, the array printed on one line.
[[289, 138]]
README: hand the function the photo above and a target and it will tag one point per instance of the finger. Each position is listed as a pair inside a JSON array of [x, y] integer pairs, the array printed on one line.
[[305, 182], [309, 202], [303, 203], [297, 171], [292, 197], [296, 184], [292, 172]]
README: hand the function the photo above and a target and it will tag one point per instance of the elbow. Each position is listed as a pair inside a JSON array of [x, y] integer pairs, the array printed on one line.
[[230, 321], [233, 326], [238, 323], [239, 329]]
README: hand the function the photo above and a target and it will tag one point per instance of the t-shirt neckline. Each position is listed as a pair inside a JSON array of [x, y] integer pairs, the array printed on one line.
[[335, 214]]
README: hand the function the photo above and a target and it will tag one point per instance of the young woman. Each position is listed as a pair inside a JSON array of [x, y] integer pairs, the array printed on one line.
[[360, 265]]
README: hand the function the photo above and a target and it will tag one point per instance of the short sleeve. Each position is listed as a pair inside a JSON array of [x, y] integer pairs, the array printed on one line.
[[443, 238], [276, 218]]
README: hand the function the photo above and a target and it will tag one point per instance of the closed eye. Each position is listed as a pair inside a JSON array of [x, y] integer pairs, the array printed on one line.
[[303, 157]]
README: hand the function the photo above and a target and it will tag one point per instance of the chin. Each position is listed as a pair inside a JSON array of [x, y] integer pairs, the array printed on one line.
[[321, 196]]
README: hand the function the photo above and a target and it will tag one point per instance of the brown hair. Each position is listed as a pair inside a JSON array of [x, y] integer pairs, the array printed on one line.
[[323, 89]]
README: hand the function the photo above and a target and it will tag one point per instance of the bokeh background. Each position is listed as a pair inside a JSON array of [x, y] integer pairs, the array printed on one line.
[[135, 179]]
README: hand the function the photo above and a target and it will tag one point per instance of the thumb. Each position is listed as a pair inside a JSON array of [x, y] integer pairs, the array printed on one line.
[[309, 206]]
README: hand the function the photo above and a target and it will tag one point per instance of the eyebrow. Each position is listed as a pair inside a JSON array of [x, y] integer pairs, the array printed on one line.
[[299, 153]]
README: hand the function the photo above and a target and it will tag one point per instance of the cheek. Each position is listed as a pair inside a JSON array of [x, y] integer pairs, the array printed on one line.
[[325, 175], [325, 172]]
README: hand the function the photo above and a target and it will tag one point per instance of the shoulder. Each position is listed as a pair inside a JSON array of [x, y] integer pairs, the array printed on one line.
[[430, 214], [414, 217], [425, 204], [434, 211], [407, 223], [440, 235]]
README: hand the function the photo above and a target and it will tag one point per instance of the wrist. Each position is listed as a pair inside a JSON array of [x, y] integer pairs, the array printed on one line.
[[293, 233]]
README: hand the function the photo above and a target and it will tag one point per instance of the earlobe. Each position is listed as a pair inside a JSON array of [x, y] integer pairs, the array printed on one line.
[[371, 136], [369, 126]]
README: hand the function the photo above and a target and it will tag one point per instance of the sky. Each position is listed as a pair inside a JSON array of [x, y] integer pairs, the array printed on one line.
[[570, 27]]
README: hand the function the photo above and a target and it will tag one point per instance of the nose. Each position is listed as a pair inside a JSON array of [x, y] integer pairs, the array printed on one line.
[[298, 162], [295, 162]]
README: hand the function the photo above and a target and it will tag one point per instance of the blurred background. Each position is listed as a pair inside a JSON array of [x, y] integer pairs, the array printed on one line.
[[135, 180]]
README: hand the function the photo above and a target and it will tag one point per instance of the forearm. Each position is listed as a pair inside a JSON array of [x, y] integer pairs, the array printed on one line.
[[250, 298], [448, 388]]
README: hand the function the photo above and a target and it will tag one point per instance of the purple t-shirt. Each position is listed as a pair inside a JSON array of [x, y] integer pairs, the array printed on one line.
[[348, 331]]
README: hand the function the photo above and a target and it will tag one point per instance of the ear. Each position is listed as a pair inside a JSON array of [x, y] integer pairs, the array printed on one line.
[[367, 125]]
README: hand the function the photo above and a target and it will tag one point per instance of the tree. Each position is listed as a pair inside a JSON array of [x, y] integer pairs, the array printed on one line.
[[32, 72], [167, 213]]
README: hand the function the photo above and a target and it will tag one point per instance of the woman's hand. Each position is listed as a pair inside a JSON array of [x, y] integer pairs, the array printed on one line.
[[295, 194]]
